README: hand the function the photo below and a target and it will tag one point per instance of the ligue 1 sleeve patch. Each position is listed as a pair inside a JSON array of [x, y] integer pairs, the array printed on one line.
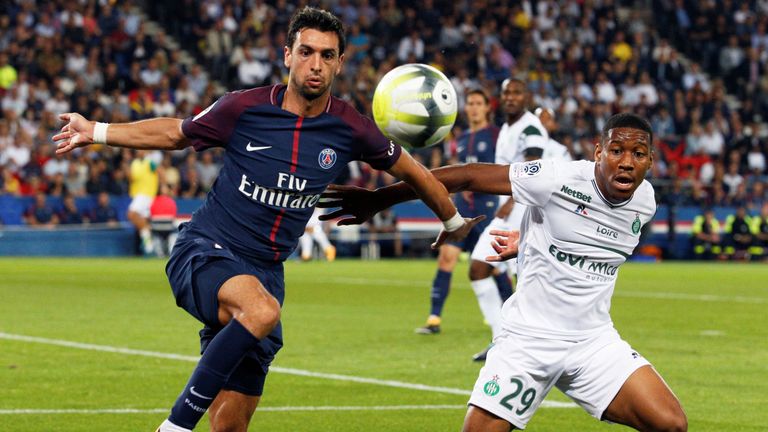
[[525, 169], [327, 158]]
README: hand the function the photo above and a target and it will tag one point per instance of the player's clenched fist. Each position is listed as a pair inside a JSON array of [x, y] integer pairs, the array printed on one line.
[[77, 132]]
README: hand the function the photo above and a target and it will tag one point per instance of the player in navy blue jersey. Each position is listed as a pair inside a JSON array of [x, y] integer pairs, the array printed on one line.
[[284, 145], [475, 145]]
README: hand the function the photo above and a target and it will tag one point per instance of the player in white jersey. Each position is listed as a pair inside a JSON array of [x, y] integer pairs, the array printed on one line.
[[553, 150], [522, 137], [314, 232], [583, 222]]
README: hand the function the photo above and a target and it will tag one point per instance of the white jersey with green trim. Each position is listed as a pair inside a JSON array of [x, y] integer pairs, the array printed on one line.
[[514, 139], [573, 242]]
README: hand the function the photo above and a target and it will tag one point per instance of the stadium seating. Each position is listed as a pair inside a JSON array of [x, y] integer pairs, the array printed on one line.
[[696, 70]]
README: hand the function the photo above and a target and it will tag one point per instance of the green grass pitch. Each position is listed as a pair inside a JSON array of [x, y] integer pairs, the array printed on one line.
[[703, 326]]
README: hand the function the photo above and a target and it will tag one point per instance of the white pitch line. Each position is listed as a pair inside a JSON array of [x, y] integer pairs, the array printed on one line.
[[261, 409], [635, 294], [23, 411], [694, 297], [278, 369]]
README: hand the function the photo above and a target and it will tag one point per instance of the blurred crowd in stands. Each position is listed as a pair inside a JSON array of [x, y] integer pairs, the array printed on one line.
[[695, 69]]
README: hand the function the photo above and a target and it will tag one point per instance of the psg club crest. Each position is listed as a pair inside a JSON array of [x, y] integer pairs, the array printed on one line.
[[327, 158]]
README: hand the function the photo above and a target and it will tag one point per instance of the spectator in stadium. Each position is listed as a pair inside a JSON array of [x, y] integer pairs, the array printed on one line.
[[226, 267], [8, 73], [162, 220], [707, 243], [10, 183], [384, 236], [103, 212], [738, 235], [553, 150], [759, 229], [69, 213], [557, 328], [208, 170], [40, 213]]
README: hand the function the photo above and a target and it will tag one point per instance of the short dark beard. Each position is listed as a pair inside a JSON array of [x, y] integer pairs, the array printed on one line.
[[309, 95]]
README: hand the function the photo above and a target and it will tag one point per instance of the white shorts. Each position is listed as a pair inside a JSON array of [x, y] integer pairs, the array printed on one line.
[[141, 204], [484, 249], [520, 371]]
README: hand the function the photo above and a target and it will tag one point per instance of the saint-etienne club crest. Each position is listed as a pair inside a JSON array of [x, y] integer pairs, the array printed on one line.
[[491, 388], [636, 225], [327, 158]]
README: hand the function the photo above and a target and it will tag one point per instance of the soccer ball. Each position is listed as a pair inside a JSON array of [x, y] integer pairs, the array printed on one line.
[[415, 105]]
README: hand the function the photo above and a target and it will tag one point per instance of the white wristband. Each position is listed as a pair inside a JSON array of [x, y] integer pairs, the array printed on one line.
[[454, 223], [100, 133]]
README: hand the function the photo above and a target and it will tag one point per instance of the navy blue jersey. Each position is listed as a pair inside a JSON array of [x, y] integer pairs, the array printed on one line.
[[276, 165], [478, 146]]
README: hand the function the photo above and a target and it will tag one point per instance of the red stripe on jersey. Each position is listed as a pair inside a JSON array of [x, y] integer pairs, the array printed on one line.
[[273, 234], [295, 154]]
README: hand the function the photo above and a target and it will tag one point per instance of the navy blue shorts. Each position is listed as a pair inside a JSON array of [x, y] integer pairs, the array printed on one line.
[[196, 270]]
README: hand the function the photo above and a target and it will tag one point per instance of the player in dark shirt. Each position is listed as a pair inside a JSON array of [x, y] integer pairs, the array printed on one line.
[[284, 145], [477, 144]]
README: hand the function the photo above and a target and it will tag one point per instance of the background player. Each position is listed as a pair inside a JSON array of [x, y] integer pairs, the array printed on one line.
[[475, 145], [144, 183], [557, 329], [314, 232], [522, 137], [553, 150], [284, 144]]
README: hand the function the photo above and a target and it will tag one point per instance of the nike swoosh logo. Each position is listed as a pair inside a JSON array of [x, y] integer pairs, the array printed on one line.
[[192, 390], [249, 147]]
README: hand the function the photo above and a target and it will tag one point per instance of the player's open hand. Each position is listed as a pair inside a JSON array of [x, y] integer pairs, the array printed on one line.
[[505, 243], [459, 234], [355, 205], [78, 132]]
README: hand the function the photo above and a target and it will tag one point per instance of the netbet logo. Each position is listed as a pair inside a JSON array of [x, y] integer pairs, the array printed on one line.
[[576, 194]]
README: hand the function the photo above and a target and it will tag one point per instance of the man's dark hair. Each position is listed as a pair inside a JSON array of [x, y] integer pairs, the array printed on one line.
[[628, 120], [317, 19], [477, 91]]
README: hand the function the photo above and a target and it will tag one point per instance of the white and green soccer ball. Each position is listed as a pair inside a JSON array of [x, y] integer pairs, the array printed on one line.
[[415, 105]]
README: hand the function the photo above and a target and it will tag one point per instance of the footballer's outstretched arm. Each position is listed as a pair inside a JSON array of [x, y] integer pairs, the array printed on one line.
[[153, 134], [361, 204], [423, 185]]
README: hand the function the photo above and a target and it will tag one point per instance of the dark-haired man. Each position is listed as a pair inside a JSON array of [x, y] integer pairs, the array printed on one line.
[[284, 144], [583, 221]]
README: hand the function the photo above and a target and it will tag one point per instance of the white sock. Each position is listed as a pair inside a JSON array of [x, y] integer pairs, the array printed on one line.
[[321, 238], [489, 300], [306, 246], [167, 426]]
